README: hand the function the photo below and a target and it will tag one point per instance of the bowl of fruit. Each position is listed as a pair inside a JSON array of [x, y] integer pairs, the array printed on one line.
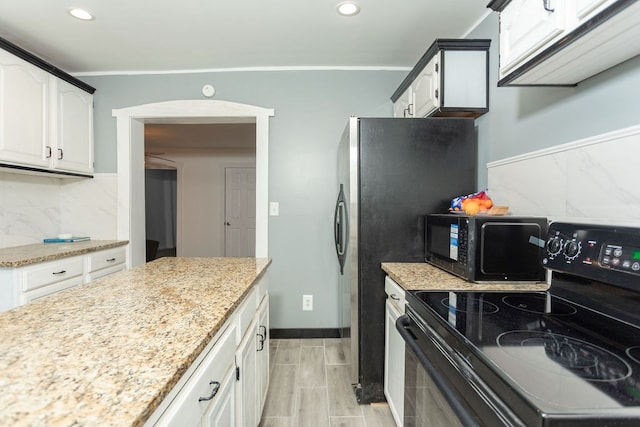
[[476, 204]]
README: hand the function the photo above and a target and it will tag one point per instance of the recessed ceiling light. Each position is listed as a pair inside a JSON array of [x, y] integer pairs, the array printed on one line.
[[81, 14], [348, 8]]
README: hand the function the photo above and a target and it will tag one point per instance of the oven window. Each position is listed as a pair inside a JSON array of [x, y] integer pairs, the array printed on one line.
[[506, 249], [424, 405]]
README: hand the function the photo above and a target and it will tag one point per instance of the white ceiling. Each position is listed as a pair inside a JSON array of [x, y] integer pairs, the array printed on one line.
[[177, 35]]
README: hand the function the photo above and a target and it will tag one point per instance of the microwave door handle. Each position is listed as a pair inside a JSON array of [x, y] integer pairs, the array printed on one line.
[[466, 417]]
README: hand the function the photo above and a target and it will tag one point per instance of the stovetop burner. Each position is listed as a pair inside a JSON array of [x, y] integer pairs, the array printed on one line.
[[573, 357], [477, 306]]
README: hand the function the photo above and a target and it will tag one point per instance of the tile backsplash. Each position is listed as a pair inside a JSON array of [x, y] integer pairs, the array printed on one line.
[[34, 207], [590, 180]]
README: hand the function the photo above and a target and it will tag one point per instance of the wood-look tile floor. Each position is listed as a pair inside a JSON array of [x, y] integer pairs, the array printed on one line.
[[310, 386]]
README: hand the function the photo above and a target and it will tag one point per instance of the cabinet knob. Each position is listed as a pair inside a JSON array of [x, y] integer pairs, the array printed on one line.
[[227, 223]]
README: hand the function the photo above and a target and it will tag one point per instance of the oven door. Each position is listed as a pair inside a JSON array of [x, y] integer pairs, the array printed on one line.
[[440, 388]]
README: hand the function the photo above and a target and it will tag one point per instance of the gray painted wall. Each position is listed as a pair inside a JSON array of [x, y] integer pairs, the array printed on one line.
[[311, 111], [525, 119]]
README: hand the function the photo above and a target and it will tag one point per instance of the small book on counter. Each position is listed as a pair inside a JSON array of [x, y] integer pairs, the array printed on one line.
[[67, 240]]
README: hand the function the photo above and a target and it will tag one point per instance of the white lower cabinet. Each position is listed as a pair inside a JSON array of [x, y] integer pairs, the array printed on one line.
[[262, 352], [103, 263], [203, 388], [22, 285], [246, 408], [227, 384], [222, 412], [394, 352]]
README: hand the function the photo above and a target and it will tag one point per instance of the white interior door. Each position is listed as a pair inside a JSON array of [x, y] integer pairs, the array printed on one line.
[[240, 212]]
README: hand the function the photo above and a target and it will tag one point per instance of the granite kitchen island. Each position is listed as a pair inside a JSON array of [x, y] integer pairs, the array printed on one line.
[[109, 352]]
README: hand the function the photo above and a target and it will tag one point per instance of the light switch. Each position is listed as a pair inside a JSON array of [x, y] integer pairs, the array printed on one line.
[[274, 208]]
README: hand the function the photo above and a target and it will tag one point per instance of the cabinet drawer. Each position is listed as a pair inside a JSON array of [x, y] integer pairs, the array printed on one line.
[[43, 291], [186, 409], [108, 258], [262, 287], [51, 272], [395, 293], [246, 312]]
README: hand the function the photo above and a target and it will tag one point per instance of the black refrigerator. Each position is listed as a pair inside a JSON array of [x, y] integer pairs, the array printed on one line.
[[391, 172]]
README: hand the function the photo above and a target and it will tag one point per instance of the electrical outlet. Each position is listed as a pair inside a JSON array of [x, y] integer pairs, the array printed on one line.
[[307, 302], [274, 208]]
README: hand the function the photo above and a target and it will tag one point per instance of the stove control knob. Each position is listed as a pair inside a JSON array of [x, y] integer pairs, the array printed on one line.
[[554, 245], [572, 249]]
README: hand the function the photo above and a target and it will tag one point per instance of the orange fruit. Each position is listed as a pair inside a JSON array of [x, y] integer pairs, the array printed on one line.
[[472, 207]]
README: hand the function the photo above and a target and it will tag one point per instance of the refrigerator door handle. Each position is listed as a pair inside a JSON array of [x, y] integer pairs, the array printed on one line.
[[341, 228]]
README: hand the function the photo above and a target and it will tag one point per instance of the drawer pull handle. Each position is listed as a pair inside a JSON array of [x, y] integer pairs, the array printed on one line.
[[59, 272], [111, 259], [60, 154], [547, 6], [394, 297], [216, 387]]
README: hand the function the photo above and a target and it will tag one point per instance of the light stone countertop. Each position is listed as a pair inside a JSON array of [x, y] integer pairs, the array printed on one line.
[[19, 256], [423, 276], [107, 353]]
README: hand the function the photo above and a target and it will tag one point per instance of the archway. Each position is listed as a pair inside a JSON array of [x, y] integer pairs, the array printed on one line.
[[130, 160]]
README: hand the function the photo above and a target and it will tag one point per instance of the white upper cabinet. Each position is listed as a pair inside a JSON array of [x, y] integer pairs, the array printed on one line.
[[24, 112], [562, 42], [404, 105], [527, 25], [73, 139], [426, 88], [46, 123], [451, 79]]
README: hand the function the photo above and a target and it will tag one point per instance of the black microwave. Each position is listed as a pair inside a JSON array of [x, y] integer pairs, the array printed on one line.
[[486, 248]]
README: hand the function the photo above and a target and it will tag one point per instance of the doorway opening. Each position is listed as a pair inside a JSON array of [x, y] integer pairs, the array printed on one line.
[[160, 212], [131, 122]]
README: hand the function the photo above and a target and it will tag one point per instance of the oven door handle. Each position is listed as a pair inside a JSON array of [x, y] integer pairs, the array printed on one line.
[[467, 418]]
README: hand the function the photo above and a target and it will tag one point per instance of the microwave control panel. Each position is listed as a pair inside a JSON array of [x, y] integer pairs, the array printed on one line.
[[606, 253]]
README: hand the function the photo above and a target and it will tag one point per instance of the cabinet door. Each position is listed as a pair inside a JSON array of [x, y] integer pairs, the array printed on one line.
[[246, 387], [426, 88], [404, 107], [74, 129], [393, 364], [262, 354], [202, 388], [526, 26], [221, 413], [24, 112]]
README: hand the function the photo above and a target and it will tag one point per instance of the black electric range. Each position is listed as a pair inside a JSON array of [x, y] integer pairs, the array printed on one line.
[[568, 356]]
